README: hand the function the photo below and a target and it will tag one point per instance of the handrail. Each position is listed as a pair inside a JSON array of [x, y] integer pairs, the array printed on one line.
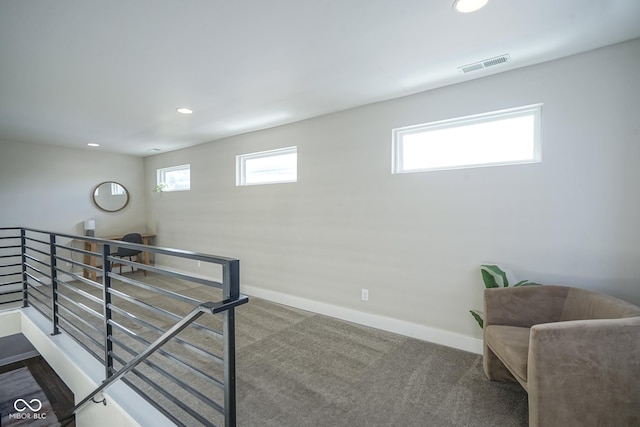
[[42, 276], [217, 259], [208, 307]]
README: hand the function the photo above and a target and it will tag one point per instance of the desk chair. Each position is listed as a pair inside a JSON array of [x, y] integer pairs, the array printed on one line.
[[126, 252]]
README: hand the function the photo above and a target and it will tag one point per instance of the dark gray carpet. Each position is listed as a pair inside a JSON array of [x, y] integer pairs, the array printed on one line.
[[311, 370]]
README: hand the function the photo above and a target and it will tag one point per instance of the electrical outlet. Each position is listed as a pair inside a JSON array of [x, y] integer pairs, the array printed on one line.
[[365, 295]]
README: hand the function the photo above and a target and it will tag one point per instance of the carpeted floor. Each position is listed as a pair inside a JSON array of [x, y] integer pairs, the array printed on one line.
[[300, 369], [296, 368]]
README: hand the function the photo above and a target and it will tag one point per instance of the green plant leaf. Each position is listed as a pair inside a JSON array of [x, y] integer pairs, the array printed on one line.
[[494, 269], [522, 282], [488, 279], [478, 316]]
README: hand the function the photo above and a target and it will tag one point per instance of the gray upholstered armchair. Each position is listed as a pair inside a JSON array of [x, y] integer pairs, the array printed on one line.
[[575, 352]]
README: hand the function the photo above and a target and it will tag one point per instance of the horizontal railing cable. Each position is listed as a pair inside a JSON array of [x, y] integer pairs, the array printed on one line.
[[170, 397], [78, 318], [82, 306], [38, 299], [154, 402], [157, 290], [40, 310], [170, 376], [178, 340], [163, 312], [80, 292], [79, 341]]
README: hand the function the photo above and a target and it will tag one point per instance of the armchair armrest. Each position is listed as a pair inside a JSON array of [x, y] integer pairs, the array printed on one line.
[[524, 306], [585, 372]]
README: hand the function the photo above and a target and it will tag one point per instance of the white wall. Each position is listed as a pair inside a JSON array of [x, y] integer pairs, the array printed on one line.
[[50, 188], [416, 240]]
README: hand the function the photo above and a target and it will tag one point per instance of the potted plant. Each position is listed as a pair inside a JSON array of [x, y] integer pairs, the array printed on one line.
[[494, 277], [160, 187]]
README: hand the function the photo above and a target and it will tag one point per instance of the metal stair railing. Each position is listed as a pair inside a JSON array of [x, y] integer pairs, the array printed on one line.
[[122, 320], [208, 307]]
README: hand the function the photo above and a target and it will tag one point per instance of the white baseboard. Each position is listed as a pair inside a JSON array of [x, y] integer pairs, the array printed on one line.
[[402, 327]]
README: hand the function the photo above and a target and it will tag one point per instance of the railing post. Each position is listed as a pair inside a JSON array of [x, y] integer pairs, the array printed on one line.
[[54, 284], [25, 290], [106, 310], [231, 279], [231, 284]]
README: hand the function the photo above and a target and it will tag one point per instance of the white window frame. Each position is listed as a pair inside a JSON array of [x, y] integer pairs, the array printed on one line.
[[241, 166], [398, 134], [161, 178]]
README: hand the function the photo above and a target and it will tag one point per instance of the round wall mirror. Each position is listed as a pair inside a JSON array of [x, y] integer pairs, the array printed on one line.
[[110, 196]]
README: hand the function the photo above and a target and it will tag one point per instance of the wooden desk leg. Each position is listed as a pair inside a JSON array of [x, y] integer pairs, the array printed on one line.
[[86, 260], [145, 241], [90, 260]]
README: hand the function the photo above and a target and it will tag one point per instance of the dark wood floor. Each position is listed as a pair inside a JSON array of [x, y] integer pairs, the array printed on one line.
[[59, 395]]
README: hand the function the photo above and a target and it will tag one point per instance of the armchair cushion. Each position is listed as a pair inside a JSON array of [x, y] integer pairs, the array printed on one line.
[[511, 345]]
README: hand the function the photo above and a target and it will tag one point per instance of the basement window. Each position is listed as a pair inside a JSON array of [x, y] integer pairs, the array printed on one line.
[[503, 137], [174, 178], [267, 167]]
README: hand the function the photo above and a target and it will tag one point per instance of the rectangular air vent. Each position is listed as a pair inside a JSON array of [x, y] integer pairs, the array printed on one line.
[[485, 63]]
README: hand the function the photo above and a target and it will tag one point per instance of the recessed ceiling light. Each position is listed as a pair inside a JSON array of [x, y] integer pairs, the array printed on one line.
[[466, 6], [154, 150], [184, 110], [93, 144]]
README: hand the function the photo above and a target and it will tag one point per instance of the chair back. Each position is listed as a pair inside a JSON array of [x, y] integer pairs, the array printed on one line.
[[582, 304], [129, 238]]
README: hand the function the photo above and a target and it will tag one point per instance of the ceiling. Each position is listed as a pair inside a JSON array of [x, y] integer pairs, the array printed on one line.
[[74, 72]]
